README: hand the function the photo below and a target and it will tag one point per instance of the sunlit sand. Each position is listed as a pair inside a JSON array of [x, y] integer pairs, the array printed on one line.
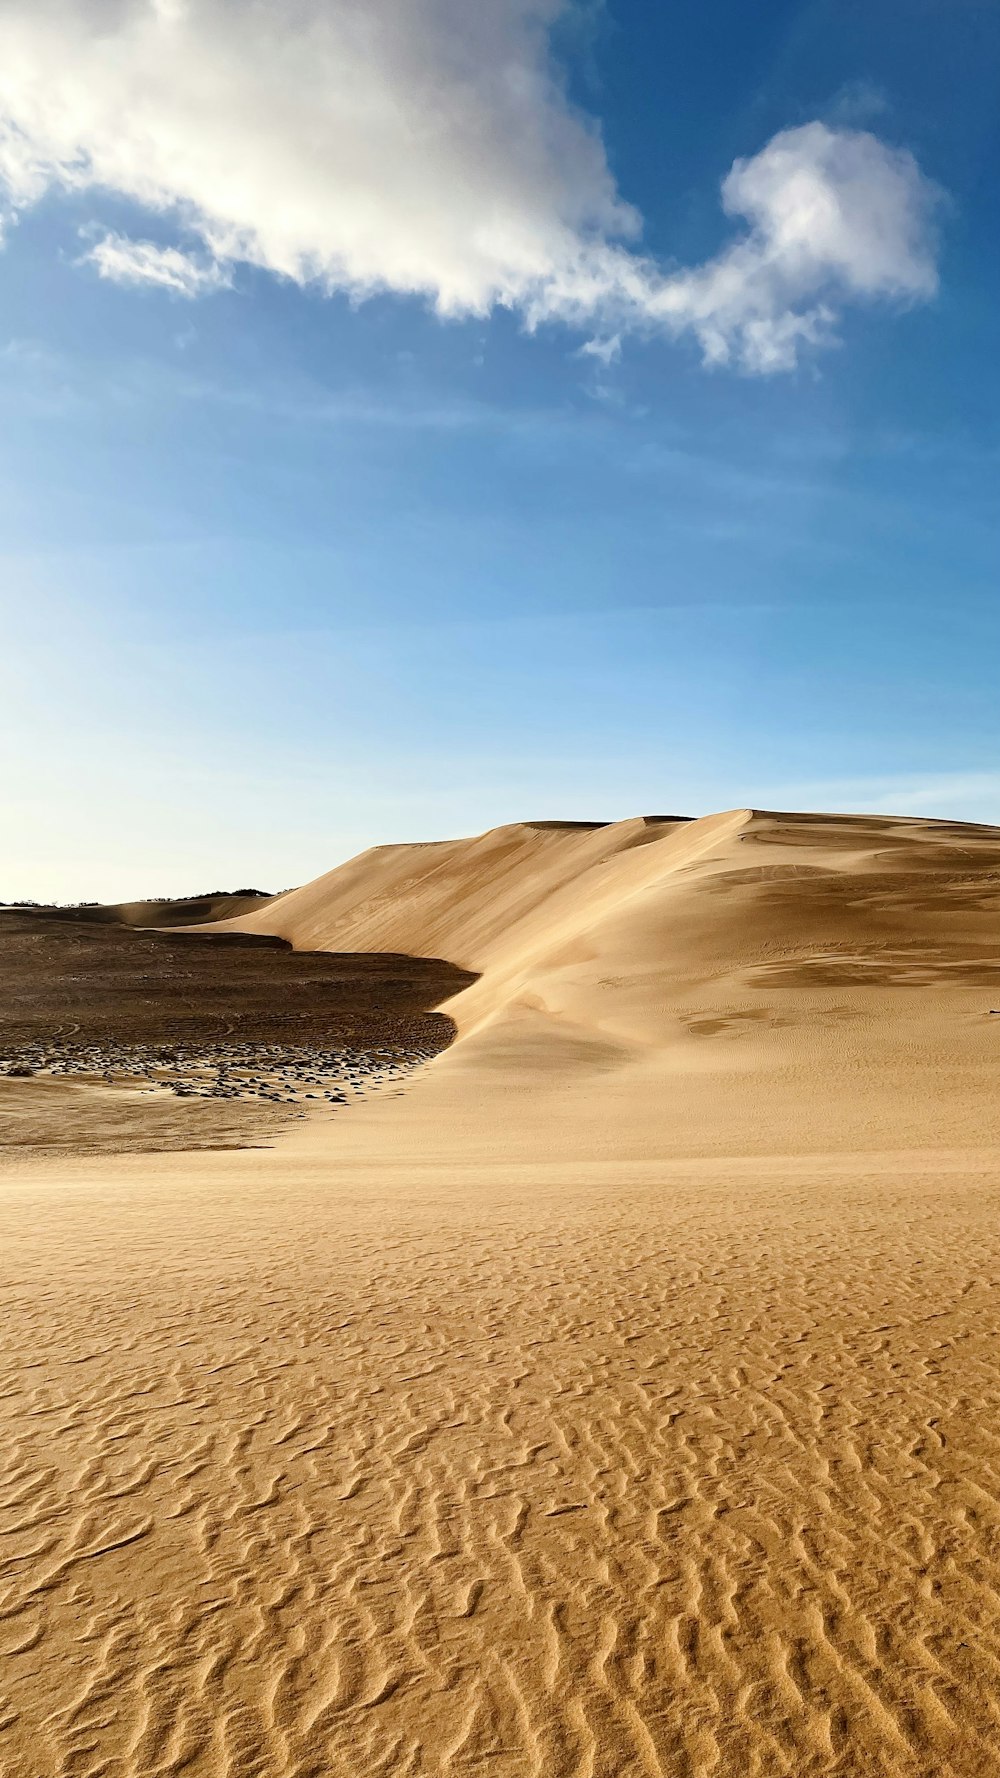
[[615, 1395]]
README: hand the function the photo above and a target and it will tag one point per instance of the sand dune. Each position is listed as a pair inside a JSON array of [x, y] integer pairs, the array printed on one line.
[[176, 911], [713, 971], [620, 1402], [462, 895]]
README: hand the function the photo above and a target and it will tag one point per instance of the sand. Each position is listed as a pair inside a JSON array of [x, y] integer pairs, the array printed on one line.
[[622, 1400], [166, 912]]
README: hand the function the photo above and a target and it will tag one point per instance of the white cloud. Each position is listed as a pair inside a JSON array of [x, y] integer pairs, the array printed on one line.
[[606, 351], [123, 261], [427, 147]]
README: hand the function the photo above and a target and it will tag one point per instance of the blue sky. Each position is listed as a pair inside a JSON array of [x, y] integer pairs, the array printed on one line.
[[323, 524]]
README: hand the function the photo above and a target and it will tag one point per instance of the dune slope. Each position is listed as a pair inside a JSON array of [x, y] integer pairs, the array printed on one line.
[[714, 971], [449, 898]]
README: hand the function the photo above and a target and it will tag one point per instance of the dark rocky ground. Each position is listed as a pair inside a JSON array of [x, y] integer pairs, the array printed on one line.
[[211, 1017]]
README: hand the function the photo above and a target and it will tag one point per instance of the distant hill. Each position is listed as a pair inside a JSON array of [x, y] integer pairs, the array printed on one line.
[[186, 910]]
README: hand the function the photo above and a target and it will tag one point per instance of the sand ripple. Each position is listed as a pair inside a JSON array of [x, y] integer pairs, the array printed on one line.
[[584, 1478]]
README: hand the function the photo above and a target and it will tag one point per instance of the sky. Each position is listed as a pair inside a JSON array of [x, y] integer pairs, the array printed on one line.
[[417, 416]]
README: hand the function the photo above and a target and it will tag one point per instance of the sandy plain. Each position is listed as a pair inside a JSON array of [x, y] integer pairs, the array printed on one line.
[[622, 1399]]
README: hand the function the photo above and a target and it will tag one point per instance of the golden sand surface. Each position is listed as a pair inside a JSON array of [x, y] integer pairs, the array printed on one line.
[[623, 1400]]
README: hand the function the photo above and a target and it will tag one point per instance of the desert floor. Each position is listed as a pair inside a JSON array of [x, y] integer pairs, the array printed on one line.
[[623, 1399]]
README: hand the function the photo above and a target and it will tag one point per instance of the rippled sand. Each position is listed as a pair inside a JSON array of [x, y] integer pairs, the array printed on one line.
[[639, 1470], [599, 1409]]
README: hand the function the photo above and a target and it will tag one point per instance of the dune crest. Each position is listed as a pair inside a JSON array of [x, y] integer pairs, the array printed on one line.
[[463, 895]]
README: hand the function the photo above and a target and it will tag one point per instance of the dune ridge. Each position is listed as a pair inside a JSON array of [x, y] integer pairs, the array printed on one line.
[[462, 894]]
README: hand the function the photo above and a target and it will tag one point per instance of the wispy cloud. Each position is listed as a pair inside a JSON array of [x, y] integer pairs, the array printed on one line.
[[605, 351], [429, 147], [123, 261], [961, 795]]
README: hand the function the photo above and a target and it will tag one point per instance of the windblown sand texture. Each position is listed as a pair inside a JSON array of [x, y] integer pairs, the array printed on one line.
[[621, 1402]]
